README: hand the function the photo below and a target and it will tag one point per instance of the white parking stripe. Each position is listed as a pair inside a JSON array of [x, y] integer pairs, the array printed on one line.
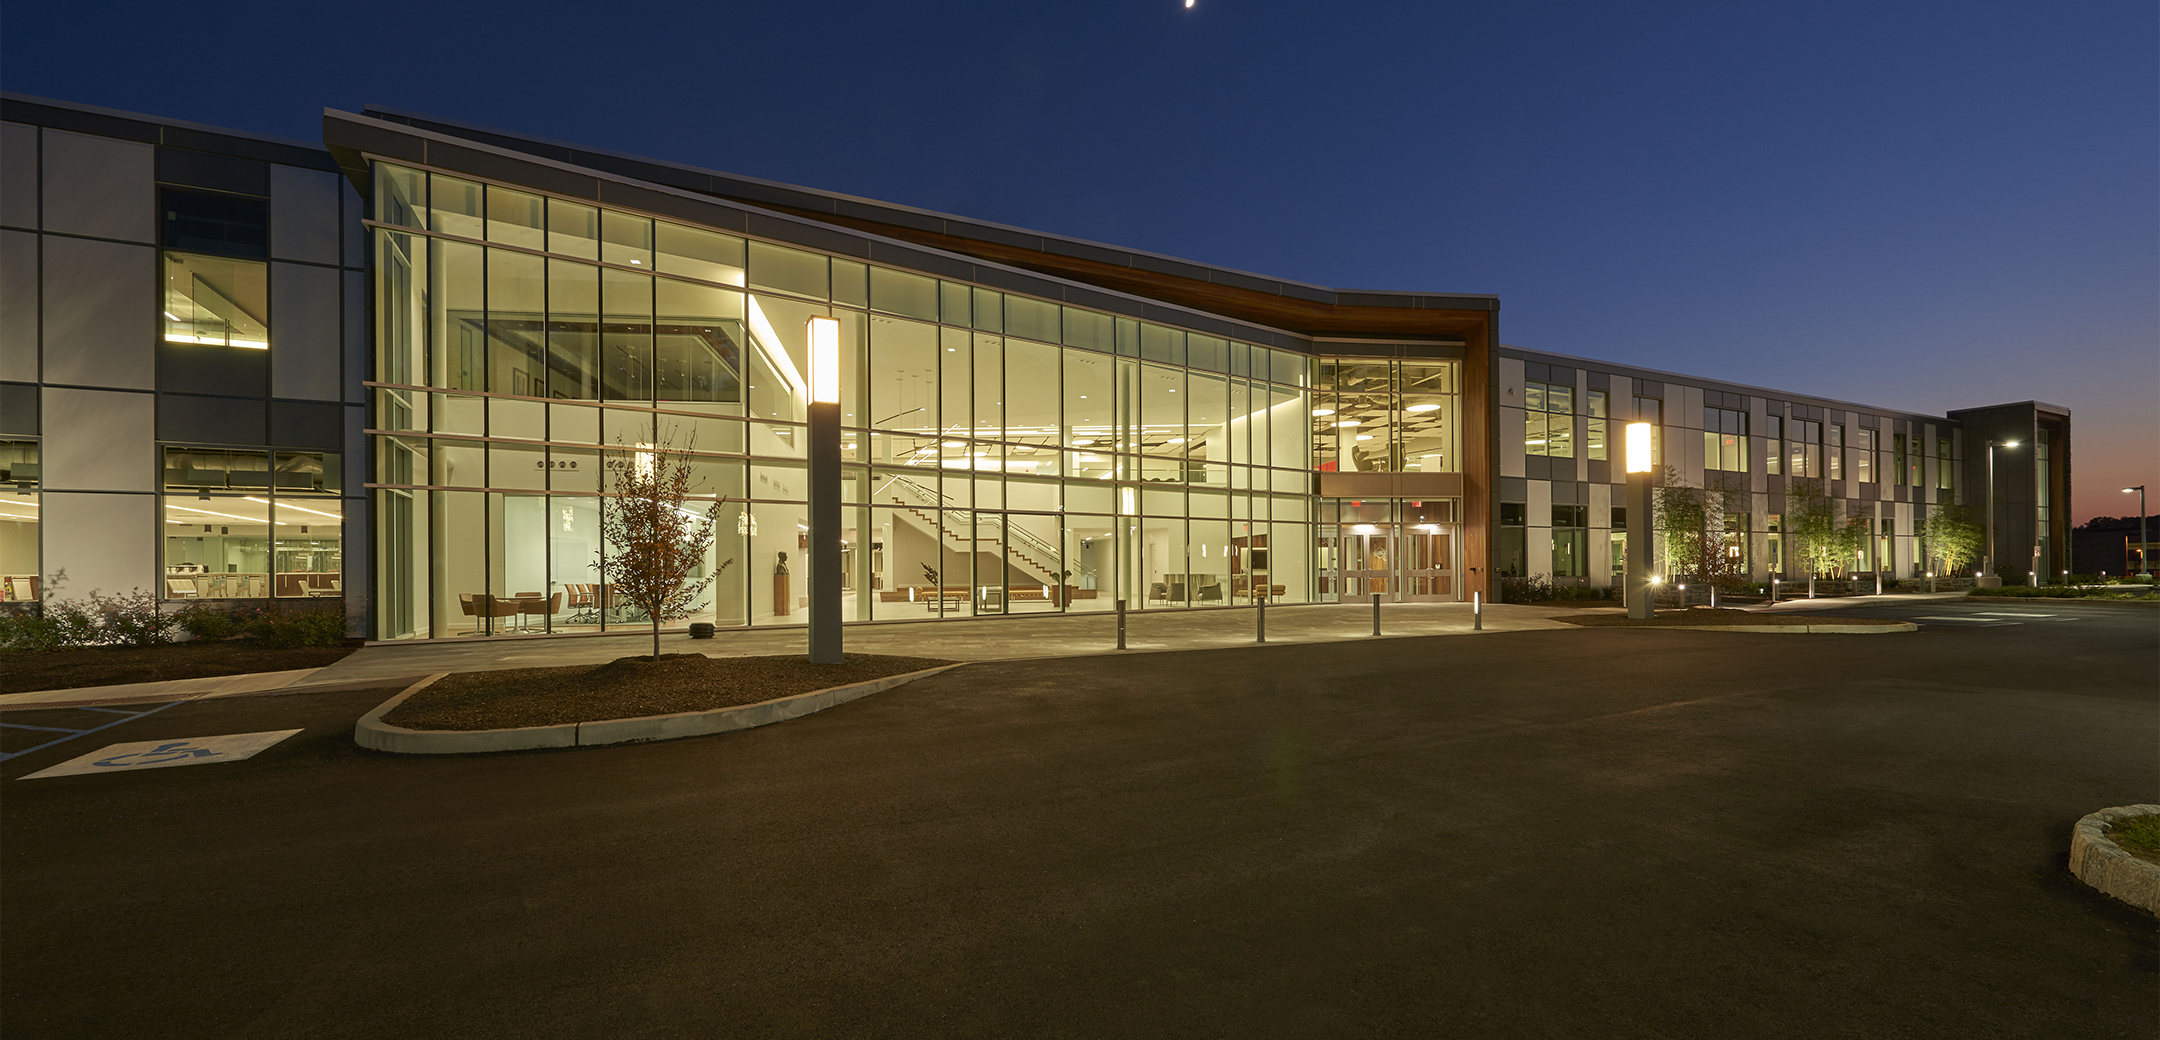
[[2006, 613]]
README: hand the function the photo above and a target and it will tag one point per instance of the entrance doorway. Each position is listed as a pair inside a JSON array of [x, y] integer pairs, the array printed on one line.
[[1402, 563]]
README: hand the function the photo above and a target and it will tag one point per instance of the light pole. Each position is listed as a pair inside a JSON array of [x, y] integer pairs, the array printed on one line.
[[1991, 580], [825, 491], [1638, 528], [2144, 547]]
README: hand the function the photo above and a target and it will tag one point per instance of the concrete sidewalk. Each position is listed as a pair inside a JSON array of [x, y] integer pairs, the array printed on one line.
[[975, 639]]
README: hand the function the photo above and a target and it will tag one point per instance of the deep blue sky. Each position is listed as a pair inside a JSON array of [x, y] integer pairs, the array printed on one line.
[[1927, 206]]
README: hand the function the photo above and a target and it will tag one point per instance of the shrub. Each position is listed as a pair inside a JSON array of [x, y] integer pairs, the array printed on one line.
[[128, 619], [207, 622], [131, 619], [296, 628]]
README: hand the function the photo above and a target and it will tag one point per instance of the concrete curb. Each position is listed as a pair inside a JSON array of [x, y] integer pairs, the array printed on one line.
[[2104, 865], [372, 732], [1788, 630]]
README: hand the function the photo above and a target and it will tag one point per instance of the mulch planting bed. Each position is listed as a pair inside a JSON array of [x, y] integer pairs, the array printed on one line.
[[1704, 617], [630, 687], [113, 665]]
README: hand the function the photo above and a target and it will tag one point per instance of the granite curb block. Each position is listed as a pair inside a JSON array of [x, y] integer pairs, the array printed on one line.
[[373, 733], [2099, 862]]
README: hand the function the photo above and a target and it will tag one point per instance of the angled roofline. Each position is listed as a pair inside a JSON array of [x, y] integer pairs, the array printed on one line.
[[149, 129], [350, 135], [1115, 266]]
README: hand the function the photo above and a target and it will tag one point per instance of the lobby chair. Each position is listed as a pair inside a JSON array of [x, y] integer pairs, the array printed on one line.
[[485, 609], [533, 604]]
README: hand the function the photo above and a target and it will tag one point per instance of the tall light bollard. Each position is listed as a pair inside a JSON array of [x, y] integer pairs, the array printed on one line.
[[1121, 624], [824, 415], [1477, 612], [1261, 637], [1638, 528], [1375, 613]]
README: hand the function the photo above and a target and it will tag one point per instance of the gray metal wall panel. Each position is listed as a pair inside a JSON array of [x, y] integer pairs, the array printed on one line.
[[356, 347], [18, 175], [213, 420], [99, 440], [18, 306], [105, 543], [304, 215], [355, 236], [19, 409], [305, 355], [101, 187], [100, 303]]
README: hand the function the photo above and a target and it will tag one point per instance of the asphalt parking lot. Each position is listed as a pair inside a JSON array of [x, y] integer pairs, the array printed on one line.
[[1605, 833]]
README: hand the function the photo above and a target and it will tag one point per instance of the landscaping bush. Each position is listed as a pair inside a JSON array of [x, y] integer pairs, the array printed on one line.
[[208, 622], [129, 619], [296, 628], [1539, 588]]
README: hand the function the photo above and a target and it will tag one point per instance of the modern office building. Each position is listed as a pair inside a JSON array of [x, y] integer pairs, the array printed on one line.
[[443, 354]]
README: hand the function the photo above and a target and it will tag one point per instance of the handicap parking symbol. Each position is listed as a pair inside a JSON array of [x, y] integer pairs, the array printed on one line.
[[160, 754]]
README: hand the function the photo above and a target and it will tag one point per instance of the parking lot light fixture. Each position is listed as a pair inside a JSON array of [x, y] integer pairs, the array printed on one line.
[[2144, 547]]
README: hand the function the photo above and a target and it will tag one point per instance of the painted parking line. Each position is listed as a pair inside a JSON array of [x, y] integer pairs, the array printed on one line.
[[2007, 613], [160, 754], [71, 734], [1965, 620]]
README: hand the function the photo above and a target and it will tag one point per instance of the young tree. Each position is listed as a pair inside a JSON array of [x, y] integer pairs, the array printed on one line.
[[1695, 522], [1812, 534], [1952, 539], [656, 544]]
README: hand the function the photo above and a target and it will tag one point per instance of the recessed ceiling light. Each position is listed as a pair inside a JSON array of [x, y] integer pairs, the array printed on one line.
[[1422, 408], [1347, 422], [1082, 442], [1323, 411]]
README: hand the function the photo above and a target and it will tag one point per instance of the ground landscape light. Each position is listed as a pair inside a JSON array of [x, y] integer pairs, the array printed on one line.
[[1638, 447]]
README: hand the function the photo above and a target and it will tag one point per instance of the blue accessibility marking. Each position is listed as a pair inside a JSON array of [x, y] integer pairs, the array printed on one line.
[[173, 752]]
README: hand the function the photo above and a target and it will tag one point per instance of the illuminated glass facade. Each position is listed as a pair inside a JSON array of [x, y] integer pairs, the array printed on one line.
[[1003, 454]]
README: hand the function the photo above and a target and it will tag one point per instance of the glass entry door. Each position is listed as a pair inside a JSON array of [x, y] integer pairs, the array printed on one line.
[[1401, 564], [1428, 562]]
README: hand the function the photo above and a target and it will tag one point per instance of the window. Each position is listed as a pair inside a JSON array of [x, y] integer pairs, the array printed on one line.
[[1774, 541], [251, 524], [1864, 455], [1944, 467], [1549, 420], [1774, 444], [1804, 453], [1513, 539], [1834, 449], [227, 225], [1595, 435], [19, 501], [1725, 439], [214, 301]]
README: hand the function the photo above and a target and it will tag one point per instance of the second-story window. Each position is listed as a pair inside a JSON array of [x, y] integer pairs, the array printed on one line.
[[1549, 420], [216, 289], [1725, 439]]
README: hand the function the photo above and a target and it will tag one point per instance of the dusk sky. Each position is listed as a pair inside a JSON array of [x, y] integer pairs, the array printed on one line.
[[1921, 206]]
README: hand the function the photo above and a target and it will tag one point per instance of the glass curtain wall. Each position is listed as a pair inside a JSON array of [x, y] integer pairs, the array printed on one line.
[[1002, 454]]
